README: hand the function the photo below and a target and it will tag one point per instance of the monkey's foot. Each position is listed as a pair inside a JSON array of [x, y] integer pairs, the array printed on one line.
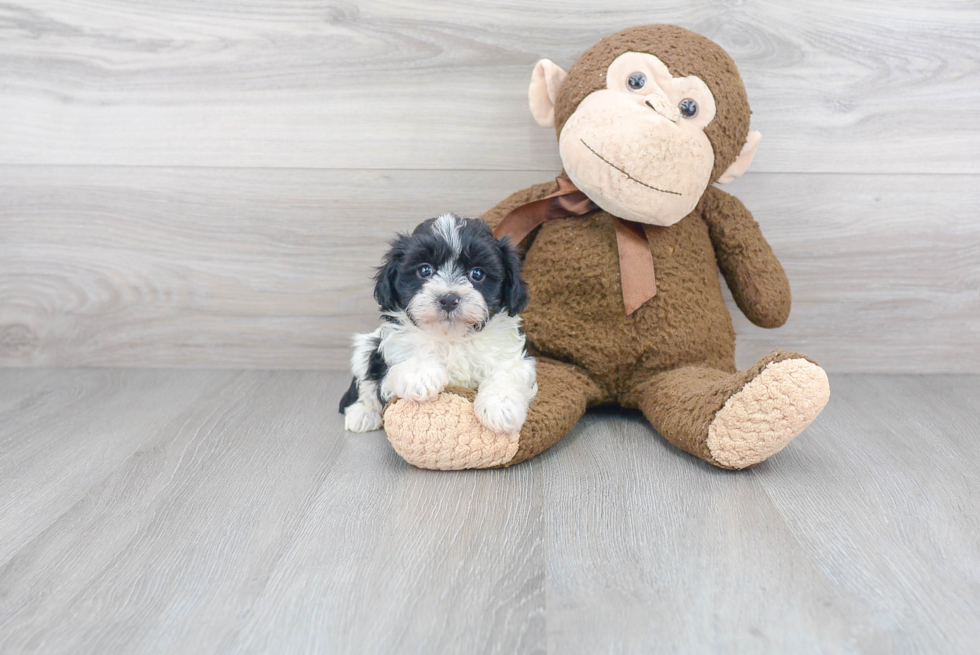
[[444, 434], [767, 413]]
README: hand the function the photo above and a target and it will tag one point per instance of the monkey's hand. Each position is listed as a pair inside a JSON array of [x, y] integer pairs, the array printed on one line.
[[445, 434], [756, 278]]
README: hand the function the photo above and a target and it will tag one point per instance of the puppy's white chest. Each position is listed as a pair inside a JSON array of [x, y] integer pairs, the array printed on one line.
[[463, 365], [467, 359]]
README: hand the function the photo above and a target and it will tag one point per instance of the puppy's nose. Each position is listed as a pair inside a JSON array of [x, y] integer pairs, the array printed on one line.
[[449, 302]]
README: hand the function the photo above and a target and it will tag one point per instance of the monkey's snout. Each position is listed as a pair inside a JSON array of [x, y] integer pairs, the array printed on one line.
[[663, 108]]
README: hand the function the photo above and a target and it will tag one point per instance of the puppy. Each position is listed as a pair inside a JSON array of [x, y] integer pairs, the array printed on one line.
[[450, 294]]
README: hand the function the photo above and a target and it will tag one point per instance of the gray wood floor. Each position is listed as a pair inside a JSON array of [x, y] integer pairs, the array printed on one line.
[[223, 511]]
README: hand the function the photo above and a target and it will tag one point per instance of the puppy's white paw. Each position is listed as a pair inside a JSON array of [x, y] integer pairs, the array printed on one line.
[[361, 418], [501, 412], [418, 382]]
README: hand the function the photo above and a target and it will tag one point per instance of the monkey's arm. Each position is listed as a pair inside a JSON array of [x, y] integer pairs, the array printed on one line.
[[504, 207], [753, 273]]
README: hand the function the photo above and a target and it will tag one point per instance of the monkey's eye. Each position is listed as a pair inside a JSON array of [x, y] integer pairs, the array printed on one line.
[[477, 274], [688, 107], [636, 81], [424, 271]]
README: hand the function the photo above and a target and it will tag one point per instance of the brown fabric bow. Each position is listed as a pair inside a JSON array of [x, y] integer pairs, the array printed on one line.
[[635, 260]]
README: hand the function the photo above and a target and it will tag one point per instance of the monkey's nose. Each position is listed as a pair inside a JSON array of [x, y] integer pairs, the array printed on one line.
[[663, 107], [448, 302]]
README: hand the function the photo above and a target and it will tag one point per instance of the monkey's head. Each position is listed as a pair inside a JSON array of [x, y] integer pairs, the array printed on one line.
[[646, 119]]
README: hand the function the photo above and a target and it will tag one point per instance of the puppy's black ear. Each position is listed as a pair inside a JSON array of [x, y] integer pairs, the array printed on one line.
[[384, 280], [514, 297]]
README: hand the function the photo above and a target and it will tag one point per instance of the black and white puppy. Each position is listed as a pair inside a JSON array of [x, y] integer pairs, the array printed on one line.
[[450, 294]]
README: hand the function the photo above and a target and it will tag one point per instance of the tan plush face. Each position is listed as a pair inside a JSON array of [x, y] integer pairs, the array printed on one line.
[[637, 148], [627, 133]]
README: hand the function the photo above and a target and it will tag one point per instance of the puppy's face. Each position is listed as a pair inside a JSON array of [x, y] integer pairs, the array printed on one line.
[[450, 272]]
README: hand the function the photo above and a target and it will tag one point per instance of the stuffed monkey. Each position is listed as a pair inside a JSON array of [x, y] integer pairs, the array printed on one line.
[[622, 255]]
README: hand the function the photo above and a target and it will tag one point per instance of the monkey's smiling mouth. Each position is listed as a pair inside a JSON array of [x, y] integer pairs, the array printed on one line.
[[673, 193]]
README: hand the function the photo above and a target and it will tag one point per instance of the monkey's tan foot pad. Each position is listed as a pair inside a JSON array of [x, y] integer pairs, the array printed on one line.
[[769, 411], [444, 434]]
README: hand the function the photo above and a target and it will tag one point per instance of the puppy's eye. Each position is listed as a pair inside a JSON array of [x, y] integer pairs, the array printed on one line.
[[477, 274], [636, 81], [424, 271], [688, 107]]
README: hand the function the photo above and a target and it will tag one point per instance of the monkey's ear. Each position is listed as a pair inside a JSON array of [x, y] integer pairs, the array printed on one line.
[[543, 92], [743, 160]]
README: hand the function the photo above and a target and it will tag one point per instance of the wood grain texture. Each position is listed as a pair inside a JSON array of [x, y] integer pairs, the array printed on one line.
[[859, 537], [209, 183], [271, 268], [65, 434], [894, 519], [225, 511], [836, 86], [254, 513], [672, 555]]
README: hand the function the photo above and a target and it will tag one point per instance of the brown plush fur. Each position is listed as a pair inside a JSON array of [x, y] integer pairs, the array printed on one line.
[[576, 313], [564, 392], [684, 53], [674, 357]]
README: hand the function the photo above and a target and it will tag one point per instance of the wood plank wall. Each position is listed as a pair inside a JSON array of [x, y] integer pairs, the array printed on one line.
[[198, 184]]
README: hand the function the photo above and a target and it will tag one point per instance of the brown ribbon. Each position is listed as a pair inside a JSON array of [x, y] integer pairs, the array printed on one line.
[[635, 260]]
